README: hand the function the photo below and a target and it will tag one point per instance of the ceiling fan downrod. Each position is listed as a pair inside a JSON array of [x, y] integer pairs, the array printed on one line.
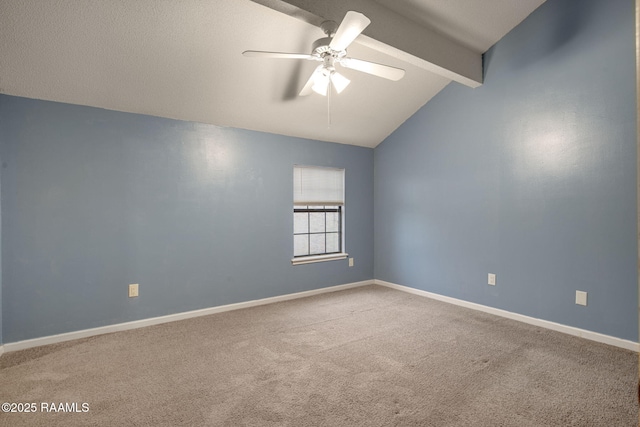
[[329, 28]]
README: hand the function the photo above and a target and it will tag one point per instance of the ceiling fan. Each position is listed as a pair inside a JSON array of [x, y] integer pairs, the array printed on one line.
[[332, 50]]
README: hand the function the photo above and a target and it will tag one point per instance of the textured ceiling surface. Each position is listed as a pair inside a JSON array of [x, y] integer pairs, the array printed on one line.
[[182, 60]]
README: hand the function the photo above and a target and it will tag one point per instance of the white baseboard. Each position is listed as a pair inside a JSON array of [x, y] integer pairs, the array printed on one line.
[[593, 336], [583, 333], [52, 339]]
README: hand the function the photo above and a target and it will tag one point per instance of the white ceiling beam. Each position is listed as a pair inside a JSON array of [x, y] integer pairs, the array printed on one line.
[[393, 35]]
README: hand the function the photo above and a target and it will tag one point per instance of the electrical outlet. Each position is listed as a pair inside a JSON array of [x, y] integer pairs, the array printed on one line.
[[133, 290], [350, 262], [491, 279], [581, 298]]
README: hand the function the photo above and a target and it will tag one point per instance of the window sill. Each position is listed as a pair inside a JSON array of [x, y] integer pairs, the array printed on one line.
[[318, 258]]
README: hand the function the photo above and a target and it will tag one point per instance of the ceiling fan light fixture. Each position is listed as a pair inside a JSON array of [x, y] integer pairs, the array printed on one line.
[[339, 81], [320, 83]]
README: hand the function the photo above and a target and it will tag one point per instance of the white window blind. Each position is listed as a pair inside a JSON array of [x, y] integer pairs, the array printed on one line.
[[318, 186]]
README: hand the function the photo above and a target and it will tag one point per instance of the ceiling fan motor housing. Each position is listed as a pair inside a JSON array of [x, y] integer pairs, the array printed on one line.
[[321, 49]]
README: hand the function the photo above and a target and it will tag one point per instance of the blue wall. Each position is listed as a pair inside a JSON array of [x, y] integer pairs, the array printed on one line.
[[531, 176], [1, 339], [198, 215]]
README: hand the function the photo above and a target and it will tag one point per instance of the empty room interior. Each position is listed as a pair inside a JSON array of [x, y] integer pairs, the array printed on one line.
[[295, 212]]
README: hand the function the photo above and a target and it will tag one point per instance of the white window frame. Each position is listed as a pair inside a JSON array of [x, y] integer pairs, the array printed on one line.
[[314, 198]]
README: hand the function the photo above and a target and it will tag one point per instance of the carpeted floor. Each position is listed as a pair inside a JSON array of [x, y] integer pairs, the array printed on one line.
[[369, 356]]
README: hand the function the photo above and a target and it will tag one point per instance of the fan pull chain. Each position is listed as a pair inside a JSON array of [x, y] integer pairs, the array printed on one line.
[[329, 106]]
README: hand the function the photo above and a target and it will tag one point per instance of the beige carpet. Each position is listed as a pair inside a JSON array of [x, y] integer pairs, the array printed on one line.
[[369, 356]]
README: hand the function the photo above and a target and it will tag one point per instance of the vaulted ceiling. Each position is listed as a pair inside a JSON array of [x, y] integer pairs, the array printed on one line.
[[183, 59]]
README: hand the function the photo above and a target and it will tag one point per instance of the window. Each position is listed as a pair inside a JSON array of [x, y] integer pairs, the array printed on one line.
[[318, 214], [316, 230]]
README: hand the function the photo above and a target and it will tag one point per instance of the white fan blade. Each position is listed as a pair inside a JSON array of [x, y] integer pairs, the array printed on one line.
[[350, 28], [279, 55], [307, 89], [385, 71]]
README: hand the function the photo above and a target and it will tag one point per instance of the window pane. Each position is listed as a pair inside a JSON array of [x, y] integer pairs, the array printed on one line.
[[317, 244], [333, 242], [301, 245], [316, 221], [300, 222], [332, 221]]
